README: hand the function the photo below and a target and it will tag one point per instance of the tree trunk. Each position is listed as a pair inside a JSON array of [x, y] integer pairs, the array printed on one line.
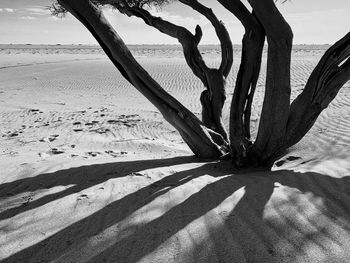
[[274, 116], [281, 124], [190, 128], [247, 77], [330, 74], [213, 98]]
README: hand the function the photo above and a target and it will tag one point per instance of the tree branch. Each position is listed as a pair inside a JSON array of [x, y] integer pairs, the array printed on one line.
[[275, 112], [221, 32], [247, 77], [328, 77], [188, 41], [213, 99], [190, 128]]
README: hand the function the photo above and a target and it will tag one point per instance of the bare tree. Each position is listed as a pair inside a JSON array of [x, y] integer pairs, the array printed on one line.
[[282, 123]]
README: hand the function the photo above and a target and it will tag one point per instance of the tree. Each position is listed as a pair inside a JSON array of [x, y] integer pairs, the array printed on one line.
[[282, 123]]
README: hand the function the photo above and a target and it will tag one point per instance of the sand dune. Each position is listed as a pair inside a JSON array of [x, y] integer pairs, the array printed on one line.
[[90, 172]]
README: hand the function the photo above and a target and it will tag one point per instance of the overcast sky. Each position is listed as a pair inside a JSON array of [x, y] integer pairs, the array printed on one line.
[[27, 21]]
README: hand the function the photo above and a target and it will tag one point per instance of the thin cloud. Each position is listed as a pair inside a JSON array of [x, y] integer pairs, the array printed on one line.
[[8, 10], [54, 18], [27, 17], [37, 11], [189, 22]]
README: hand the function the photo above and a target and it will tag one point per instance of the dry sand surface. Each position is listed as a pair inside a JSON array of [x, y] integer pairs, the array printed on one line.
[[90, 172]]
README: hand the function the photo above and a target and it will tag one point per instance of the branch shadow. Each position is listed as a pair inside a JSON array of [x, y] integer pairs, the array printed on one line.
[[244, 234], [80, 177]]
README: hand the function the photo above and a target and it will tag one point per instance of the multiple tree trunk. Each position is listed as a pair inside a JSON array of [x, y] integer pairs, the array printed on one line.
[[213, 98], [281, 125]]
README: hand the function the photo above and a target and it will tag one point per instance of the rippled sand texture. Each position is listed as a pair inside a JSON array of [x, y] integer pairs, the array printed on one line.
[[90, 172]]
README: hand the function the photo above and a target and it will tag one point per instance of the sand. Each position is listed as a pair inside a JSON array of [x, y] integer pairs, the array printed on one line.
[[90, 172]]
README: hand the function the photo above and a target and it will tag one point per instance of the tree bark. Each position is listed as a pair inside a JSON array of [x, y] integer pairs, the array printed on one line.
[[190, 128], [221, 32], [330, 74], [213, 98], [247, 77], [274, 116]]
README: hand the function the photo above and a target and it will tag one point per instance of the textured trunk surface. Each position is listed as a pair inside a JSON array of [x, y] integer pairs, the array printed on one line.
[[213, 100], [275, 111], [247, 77], [330, 74]]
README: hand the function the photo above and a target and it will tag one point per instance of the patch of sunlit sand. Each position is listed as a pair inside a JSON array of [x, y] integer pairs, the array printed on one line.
[[90, 171]]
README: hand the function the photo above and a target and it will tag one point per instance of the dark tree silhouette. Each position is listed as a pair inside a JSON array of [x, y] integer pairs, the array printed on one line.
[[282, 124]]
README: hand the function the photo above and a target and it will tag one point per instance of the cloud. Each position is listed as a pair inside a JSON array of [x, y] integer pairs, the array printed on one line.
[[54, 18], [27, 17], [36, 10], [186, 21], [8, 10]]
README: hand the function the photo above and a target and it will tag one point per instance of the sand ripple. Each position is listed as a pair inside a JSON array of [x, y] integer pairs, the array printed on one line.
[[89, 173]]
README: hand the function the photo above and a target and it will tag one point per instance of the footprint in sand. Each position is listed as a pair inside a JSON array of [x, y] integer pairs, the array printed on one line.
[[126, 120], [50, 138], [112, 121], [137, 174], [56, 151], [93, 154], [91, 123], [289, 158], [113, 153], [100, 130], [38, 120], [53, 151], [53, 137], [82, 196], [11, 134], [34, 111], [116, 154]]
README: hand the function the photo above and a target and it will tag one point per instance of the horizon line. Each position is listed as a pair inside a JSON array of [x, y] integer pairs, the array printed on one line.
[[179, 45]]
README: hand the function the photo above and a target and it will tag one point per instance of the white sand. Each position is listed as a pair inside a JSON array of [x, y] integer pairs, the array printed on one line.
[[90, 172]]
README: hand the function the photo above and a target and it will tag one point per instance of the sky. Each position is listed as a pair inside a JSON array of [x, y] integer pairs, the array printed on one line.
[[28, 22]]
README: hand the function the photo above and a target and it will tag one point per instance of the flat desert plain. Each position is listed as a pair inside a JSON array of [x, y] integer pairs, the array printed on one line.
[[90, 171]]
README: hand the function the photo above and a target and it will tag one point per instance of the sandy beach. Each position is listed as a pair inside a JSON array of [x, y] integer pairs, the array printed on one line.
[[91, 172]]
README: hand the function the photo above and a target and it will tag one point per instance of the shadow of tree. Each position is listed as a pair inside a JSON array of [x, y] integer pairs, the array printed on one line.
[[81, 177], [254, 230]]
